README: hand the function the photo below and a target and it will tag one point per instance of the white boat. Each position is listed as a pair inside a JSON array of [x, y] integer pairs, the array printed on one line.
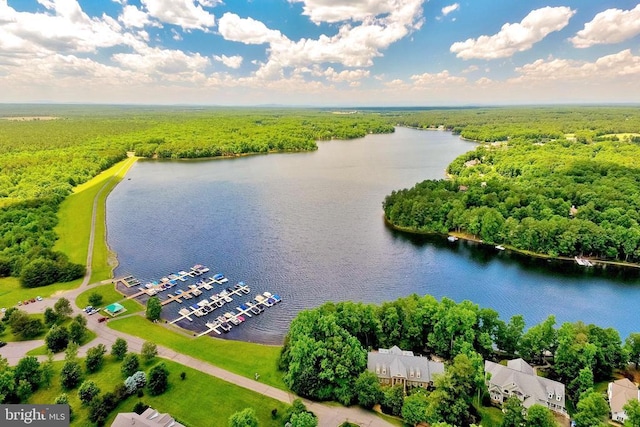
[[452, 238], [500, 247]]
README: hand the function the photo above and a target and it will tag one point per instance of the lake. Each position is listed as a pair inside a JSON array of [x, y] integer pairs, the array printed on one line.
[[309, 227]]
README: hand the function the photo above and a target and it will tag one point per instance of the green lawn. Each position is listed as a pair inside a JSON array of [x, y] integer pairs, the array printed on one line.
[[109, 296], [199, 400], [490, 416], [74, 220], [240, 357], [11, 292]]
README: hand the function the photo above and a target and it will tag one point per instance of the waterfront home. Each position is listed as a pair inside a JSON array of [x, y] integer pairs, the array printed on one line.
[[519, 379], [394, 366], [149, 418], [620, 392]]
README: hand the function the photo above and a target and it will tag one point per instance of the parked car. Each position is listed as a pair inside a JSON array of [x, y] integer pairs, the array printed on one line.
[[87, 308], [102, 319], [39, 298], [2, 343]]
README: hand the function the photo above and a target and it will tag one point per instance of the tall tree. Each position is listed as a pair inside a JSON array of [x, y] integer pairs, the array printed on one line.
[[119, 348], [367, 389], [28, 369], [452, 398], [414, 409], [154, 309], [513, 413], [95, 358], [632, 347], [592, 410], [540, 416], [632, 409], [158, 380], [63, 308]]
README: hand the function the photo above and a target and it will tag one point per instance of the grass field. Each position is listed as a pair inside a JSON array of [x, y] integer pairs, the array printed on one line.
[[11, 292], [199, 400], [74, 220], [240, 357], [109, 296], [491, 416]]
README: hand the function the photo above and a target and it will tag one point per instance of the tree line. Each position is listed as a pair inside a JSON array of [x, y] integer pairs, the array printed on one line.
[[325, 352], [41, 161], [553, 197]]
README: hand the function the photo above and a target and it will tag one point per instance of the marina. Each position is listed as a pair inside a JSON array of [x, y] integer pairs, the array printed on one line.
[[212, 294]]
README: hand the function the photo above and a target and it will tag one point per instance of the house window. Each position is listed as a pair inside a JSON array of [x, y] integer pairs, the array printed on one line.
[[418, 373], [411, 373], [384, 370], [377, 369], [551, 395], [558, 398]]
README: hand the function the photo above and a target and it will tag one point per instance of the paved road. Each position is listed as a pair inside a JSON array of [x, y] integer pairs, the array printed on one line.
[[328, 416]]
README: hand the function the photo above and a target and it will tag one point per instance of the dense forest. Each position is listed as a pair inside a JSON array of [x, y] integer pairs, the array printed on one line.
[[324, 356], [553, 181], [47, 150]]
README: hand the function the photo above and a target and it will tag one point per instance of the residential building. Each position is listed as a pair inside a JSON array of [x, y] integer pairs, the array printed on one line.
[[149, 418], [620, 392], [519, 379], [394, 366]]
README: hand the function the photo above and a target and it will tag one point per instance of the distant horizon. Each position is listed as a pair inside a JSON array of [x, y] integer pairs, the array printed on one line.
[[320, 53]]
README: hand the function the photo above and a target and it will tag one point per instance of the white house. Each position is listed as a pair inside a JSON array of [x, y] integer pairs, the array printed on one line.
[[620, 392], [519, 379]]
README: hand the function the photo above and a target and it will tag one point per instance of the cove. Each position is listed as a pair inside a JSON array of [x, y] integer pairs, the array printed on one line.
[[309, 227]]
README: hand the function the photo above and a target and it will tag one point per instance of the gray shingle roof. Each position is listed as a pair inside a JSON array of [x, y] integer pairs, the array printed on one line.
[[520, 379], [620, 392], [396, 363]]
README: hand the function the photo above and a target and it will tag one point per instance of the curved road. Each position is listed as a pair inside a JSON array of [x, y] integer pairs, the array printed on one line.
[[328, 416]]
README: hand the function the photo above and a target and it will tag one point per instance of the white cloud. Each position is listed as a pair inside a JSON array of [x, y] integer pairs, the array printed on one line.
[[516, 37], [437, 79], [133, 17], [234, 61], [610, 67], [610, 26], [246, 30], [344, 75], [470, 69], [67, 30], [184, 13], [351, 46], [165, 64], [320, 11], [451, 8]]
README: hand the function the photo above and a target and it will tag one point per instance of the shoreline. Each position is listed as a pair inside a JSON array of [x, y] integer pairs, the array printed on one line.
[[470, 238]]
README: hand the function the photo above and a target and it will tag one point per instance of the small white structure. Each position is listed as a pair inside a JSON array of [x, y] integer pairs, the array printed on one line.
[[620, 392]]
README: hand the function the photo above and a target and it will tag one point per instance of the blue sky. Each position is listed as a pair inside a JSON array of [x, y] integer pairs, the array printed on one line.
[[320, 52]]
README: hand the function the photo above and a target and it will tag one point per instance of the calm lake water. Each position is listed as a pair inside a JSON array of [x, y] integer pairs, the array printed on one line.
[[309, 227]]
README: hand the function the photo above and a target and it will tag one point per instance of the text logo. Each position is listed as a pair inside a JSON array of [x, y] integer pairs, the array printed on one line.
[[34, 415]]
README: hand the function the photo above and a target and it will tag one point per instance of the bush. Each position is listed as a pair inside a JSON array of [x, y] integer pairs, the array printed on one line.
[[140, 407], [88, 391], [135, 382]]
